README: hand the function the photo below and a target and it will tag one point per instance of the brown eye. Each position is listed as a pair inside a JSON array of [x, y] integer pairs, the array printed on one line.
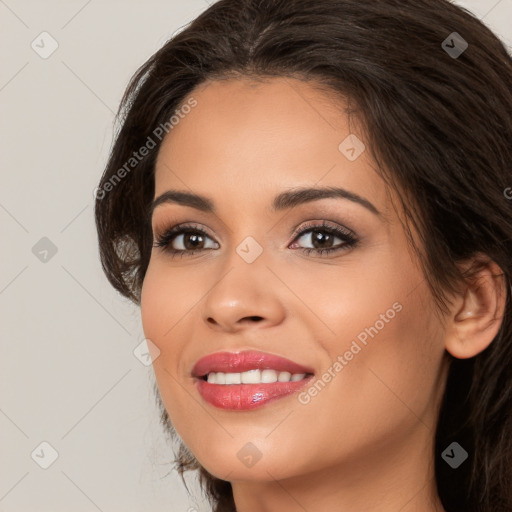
[[182, 239], [322, 238]]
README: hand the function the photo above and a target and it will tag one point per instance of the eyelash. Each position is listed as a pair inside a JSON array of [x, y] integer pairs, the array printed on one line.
[[164, 240]]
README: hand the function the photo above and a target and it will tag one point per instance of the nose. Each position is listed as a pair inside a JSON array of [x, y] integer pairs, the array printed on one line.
[[244, 297]]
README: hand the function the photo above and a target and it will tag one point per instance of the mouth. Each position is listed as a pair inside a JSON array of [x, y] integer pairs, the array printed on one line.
[[247, 380]]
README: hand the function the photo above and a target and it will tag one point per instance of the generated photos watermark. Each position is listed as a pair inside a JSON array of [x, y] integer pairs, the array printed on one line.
[[159, 133], [343, 360]]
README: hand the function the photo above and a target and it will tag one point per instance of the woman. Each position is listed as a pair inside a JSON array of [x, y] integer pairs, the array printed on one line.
[[308, 200]]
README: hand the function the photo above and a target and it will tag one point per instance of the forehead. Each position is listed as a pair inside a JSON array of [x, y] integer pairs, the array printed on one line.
[[253, 138]]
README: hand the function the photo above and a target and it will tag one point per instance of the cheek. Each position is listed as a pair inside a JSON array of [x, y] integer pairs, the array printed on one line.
[[159, 306], [167, 301], [412, 350], [360, 299], [164, 302], [393, 359], [152, 308], [382, 326]]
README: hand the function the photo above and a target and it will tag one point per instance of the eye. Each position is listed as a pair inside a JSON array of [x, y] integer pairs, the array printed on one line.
[[191, 239], [322, 244]]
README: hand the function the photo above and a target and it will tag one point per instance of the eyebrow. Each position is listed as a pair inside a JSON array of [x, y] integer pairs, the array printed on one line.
[[284, 200]]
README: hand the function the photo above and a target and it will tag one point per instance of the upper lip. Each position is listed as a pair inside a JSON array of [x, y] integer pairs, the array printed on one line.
[[238, 362]]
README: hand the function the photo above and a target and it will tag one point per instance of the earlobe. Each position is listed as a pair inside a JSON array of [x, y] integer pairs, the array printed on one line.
[[478, 313]]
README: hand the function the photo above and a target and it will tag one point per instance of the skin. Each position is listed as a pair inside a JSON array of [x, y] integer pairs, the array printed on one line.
[[365, 441]]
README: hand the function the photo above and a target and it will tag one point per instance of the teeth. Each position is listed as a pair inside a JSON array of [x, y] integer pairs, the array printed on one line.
[[284, 376], [253, 377], [232, 378], [250, 377]]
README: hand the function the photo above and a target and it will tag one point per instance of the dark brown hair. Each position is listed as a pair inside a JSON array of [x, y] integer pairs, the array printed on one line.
[[439, 128]]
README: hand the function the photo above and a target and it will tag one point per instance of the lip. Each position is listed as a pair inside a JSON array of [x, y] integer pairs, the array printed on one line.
[[238, 362], [243, 397]]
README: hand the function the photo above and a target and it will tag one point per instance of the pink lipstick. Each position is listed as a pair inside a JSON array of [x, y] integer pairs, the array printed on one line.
[[249, 379]]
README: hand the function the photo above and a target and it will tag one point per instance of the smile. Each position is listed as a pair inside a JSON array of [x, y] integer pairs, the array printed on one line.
[[262, 378]]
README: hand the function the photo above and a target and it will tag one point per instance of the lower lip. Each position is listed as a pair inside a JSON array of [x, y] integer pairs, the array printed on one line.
[[243, 397]]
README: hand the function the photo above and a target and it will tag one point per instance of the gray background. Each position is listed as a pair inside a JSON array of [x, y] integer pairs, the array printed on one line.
[[69, 375]]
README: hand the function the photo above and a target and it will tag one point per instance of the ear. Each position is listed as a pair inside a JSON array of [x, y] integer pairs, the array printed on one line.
[[477, 313]]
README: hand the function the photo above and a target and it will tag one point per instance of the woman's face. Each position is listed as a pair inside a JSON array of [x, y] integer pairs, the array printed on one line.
[[360, 318]]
